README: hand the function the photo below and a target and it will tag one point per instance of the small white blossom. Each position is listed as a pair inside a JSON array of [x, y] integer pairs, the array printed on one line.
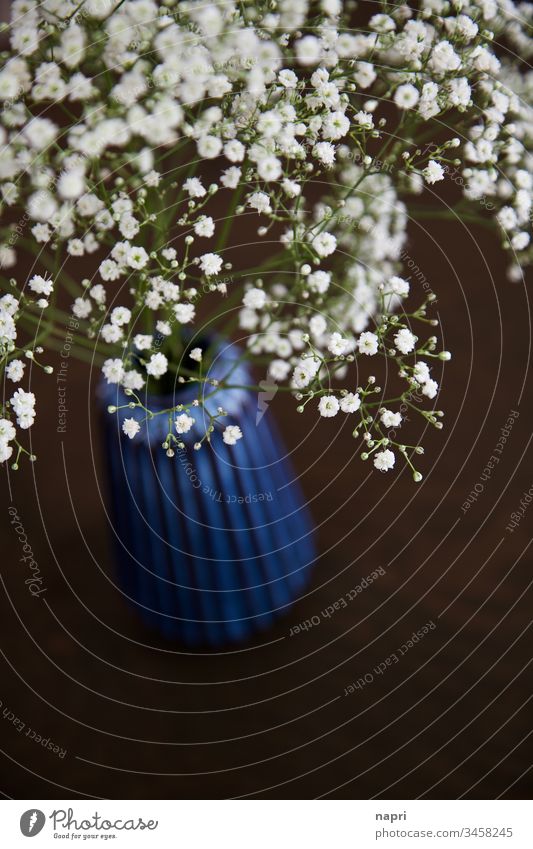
[[131, 427], [184, 313], [405, 341], [184, 423], [210, 264], [254, 299], [390, 419], [430, 388], [350, 403], [157, 365], [368, 343], [433, 172], [15, 371], [231, 434], [384, 460], [328, 406], [113, 370]]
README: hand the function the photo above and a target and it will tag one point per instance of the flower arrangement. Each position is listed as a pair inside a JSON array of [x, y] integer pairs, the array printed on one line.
[[140, 132]]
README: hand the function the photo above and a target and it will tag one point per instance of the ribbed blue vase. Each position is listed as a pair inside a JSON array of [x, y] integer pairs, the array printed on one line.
[[211, 545]]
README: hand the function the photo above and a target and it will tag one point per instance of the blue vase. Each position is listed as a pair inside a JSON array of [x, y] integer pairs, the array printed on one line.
[[211, 545]]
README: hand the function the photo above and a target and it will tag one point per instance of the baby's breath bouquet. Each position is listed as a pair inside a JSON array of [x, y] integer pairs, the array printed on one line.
[[138, 139]]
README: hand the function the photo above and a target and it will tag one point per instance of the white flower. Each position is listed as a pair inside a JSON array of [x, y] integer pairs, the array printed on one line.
[[421, 372], [157, 365], [337, 344], [109, 270], [15, 372], [152, 179], [120, 316], [42, 206], [196, 355], [8, 330], [390, 419], [405, 341], [184, 423], [254, 299], [205, 226], [210, 264], [399, 286], [325, 152], [382, 23], [433, 172], [318, 325], [269, 168], [23, 404], [231, 434], [318, 281], [113, 370], [41, 285], [335, 126], [444, 58], [209, 147], [143, 341], [384, 460], [288, 79], [230, 177], [328, 406], [406, 96], [7, 430], [260, 201], [364, 119], [291, 188], [365, 74], [111, 333], [6, 450], [308, 50], [137, 257], [279, 369], [234, 150], [324, 244], [194, 188], [368, 343], [82, 307], [71, 184], [184, 313], [520, 241], [430, 388], [131, 427], [350, 403], [305, 371]]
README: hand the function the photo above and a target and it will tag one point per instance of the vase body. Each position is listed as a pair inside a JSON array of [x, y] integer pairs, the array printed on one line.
[[211, 545]]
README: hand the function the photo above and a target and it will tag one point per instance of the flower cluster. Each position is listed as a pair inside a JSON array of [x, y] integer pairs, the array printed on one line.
[[134, 135]]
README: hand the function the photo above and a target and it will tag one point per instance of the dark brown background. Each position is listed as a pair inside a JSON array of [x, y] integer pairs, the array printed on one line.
[[451, 719], [142, 719]]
